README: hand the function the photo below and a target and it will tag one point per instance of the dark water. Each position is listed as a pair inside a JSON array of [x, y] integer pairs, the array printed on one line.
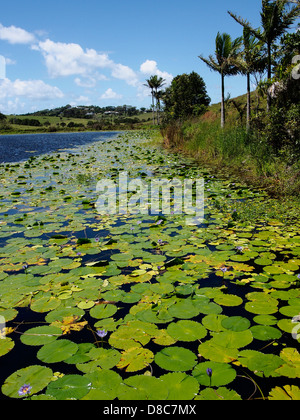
[[15, 148]]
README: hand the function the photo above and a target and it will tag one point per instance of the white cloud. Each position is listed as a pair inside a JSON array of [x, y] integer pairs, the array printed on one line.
[[119, 71], [30, 89], [15, 35], [149, 68], [110, 94], [70, 59], [89, 81]]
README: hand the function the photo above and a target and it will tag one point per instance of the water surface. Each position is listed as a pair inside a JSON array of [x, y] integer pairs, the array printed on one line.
[[19, 147]]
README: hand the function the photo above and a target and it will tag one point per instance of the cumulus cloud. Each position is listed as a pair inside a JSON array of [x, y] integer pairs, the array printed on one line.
[[70, 59], [89, 81], [149, 68], [119, 71], [64, 59], [15, 35], [31, 89], [110, 94]]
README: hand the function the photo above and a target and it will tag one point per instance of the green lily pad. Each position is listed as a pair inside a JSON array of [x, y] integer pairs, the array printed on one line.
[[104, 385], [233, 339], [236, 323], [38, 377], [222, 374], [69, 387], [57, 351], [219, 394], [180, 386], [228, 300], [6, 345], [177, 359], [40, 335], [141, 387], [186, 330], [265, 332], [135, 359], [103, 311]]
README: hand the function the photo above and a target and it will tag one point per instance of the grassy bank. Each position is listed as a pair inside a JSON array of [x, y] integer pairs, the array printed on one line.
[[23, 124], [235, 152]]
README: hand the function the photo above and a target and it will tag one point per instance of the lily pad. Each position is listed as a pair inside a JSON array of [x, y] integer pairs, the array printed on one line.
[[222, 374], [40, 335], [186, 330], [177, 359], [38, 377], [57, 351], [180, 386], [69, 387]]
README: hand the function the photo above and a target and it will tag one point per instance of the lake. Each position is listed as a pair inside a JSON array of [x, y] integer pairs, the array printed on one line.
[[141, 306], [15, 148]]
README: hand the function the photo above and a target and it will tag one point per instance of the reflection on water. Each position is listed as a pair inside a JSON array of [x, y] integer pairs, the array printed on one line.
[[15, 148]]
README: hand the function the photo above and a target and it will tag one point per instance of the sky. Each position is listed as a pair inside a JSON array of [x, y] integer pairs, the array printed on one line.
[[100, 52]]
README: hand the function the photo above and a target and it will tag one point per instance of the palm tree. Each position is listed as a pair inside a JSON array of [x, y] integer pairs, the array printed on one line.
[[277, 16], [155, 83], [223, 62], [150, 85], [249, 61]]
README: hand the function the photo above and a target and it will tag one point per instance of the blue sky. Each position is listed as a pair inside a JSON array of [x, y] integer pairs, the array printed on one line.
[[97, 52]]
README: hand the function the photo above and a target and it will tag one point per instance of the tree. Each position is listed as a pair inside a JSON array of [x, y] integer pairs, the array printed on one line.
[[249, 61], [186, 97], [223, 62], [155, 83], [150, 85], [277, 16]]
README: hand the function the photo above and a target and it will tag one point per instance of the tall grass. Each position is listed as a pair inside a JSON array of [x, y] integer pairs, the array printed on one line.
[[233, 150]]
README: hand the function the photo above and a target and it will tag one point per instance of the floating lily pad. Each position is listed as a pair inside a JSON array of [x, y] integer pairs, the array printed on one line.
[[180, 386], [103, 311], [57, 351], [40, 335], [222, 374], [69, 387], [186, 330], [236, 323], [177, 359], [265, 332], [38, 377]]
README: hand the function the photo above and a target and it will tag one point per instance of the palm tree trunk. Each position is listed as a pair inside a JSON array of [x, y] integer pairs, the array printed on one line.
[[248, 102], [153, 108], [223, 102], [269, 99]]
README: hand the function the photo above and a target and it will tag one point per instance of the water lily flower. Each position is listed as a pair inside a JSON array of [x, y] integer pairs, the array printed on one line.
[[101, 333], [239, 248], [160, 241], [24, 390], [209, 372], [298, 276], [223, 269], [25, 266], [159, 222]]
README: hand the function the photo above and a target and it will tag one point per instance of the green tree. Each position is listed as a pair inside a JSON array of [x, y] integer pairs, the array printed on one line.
[[223, 62], [276, 18], [249, 61], [155, 83], [186, 97]]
